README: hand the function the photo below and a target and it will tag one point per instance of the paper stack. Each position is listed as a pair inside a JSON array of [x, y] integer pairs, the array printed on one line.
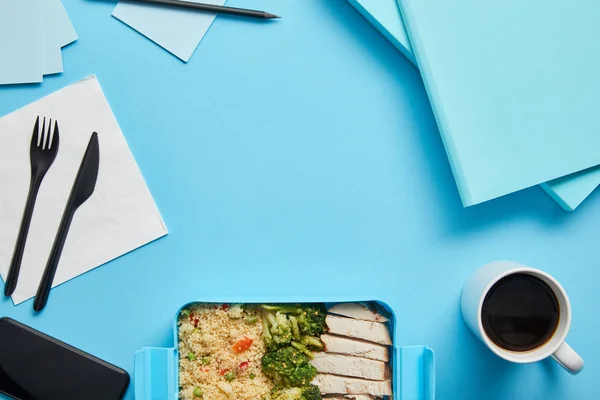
[[497, 81], [32, 35]]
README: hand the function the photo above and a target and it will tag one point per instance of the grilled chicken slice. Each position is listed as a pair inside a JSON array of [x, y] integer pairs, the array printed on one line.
[[355, 347], [357, 311], [357, 367], [335, 384], [354, 328]]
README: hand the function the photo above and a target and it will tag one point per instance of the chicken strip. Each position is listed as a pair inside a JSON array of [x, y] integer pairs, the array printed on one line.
[[365, 330], [357, 311]]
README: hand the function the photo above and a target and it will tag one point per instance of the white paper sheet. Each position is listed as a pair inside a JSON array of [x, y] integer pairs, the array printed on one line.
[[119, 217]]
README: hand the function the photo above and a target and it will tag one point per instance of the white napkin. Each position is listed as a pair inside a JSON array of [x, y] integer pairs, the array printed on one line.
[[120, 216]]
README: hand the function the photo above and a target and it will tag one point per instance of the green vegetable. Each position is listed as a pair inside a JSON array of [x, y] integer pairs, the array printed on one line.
[[288, 367], [312, 342], [198, 392], [229, 376], [290, 332], [302, 348], [295, 328], [301, 323], [251, 319], [284, 308], [312, 320], [252, 375], [282, 331], [303, 375], [191, 356], [277, 329], [310, 392], [283, 361], [267, 337], [205, 360], [185, 312]]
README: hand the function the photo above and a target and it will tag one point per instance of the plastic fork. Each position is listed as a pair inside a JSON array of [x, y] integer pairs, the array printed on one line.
[[42, 152]]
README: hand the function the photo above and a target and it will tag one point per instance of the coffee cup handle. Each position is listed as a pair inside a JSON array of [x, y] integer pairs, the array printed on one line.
[[567, 358]]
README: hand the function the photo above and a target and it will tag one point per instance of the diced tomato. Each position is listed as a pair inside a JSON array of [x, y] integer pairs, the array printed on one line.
[[194, 320], [243, 365], [242, 344], [223, 371], [225, 307]]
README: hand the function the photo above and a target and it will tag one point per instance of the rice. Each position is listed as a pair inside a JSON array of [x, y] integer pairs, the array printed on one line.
[[208, 335]]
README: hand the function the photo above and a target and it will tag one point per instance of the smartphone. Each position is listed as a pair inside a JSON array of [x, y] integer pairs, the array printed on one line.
[[35, 366]]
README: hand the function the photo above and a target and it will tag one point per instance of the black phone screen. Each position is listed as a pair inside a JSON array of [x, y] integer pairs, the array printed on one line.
[[34, 366]]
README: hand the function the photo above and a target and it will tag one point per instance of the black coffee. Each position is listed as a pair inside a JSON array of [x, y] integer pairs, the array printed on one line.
[[520, 313]]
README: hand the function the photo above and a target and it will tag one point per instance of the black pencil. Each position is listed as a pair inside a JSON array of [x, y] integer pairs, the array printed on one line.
[[212, 8]]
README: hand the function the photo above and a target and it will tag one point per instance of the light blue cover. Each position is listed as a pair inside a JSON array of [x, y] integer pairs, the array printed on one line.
[[20, 41], [385, 16], [568, 191], [57, 32], [515, 95], [176, 29], [413, 368]]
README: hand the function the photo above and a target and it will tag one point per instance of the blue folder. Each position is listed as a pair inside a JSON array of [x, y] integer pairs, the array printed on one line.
[[568, 191]]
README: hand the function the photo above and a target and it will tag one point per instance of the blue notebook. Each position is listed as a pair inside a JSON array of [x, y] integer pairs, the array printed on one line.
[[568, 191]]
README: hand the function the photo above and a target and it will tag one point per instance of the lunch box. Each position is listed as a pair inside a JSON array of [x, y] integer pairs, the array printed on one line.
[[156, 370]]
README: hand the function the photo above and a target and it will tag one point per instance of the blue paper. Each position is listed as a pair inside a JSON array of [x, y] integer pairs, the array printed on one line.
[[178, 30], [58, 32], [385, 16], [20, 41], [52, 59], [568, 191], [515, 96]]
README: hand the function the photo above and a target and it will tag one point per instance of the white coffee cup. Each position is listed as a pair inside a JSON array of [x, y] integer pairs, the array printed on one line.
[[474, 293]]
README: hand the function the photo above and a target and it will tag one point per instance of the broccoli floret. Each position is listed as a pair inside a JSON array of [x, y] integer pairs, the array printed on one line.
[[288, 367], [312, 342], [301, 323], [284, 308], [295, 327], [277, 329], [310, 392], [283, 360], [267, 337], [288, 394], [281, 329], [302, 348], [312, 320], [302, 375]]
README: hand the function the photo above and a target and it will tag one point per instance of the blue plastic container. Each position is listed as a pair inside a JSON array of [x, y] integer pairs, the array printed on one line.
[[413, 367]]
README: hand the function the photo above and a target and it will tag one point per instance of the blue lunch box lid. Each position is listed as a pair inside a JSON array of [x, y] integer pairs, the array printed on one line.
[[156, 370]]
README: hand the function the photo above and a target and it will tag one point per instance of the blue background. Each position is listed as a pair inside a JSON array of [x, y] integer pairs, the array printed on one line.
[[300, 160]]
